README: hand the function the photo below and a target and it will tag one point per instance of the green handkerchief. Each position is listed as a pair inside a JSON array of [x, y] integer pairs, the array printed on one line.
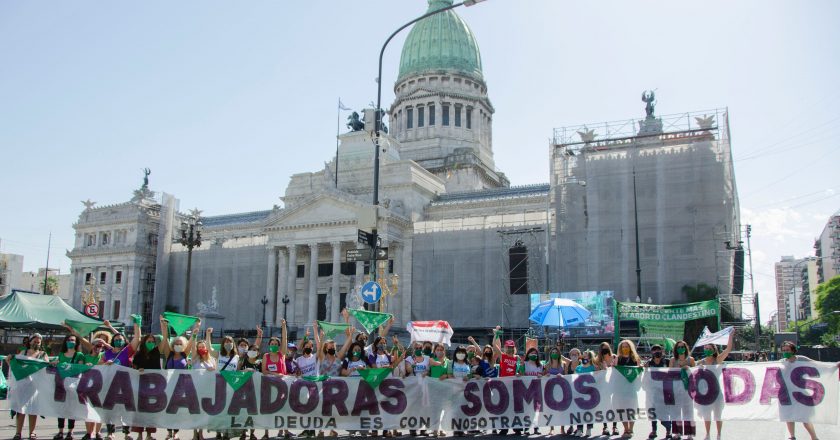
[[236, 378], [374, 376]]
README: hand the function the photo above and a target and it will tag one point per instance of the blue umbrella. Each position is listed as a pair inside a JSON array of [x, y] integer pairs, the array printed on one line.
[[559, 312]]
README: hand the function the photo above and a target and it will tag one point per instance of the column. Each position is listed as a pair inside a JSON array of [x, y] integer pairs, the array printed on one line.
[[282, 276], [291, 279], [271, 284], [333, 313], [313, 284]]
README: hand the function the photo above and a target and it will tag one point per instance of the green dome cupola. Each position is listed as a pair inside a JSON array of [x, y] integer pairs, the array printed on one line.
[[442, 42]]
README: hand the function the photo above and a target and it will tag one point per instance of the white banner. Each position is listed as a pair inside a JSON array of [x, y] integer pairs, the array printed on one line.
[[431, 331], [771, 391], [716, 338]]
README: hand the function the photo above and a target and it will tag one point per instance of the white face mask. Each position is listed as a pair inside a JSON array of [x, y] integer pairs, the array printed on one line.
[[460, 356], [575, 357], [178, 348], [252, 353], [243, 350], [228, 346]]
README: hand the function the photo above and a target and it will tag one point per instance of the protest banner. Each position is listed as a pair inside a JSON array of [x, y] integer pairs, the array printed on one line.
[[185, 399], [649, 314], [717, 338], [430, 331]]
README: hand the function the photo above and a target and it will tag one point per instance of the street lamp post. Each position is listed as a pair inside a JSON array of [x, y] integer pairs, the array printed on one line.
[[264, 301], [286, 301], [378, 125], [190, 238]]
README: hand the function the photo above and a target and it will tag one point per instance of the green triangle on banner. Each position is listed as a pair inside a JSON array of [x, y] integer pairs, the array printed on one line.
[[684, 377], [374, 376], [84, 328], [236, 378], [66, 370], [24, 367], [180, 323], [320, 378], [629, 373], [331, 329], [370, 320]]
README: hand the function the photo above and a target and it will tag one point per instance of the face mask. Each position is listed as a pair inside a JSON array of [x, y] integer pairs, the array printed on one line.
[[150, 346], [787, 354], [35, 346], [605, 351], [178, 348], [427, 351], [229, 346], [357, 354], [440, 354], [575, 357], [252, 353], [555, 356], [71, 345], [470, 355], [202, 351], [625, 352], [274, 348], [307, 350], [331, 351], [533, 357], [657, 354], [681, 350], [381, 347], [460, 356], [488, 354], [418, 352], [707, 352], [584, 361], [243, 350], [119, 343]]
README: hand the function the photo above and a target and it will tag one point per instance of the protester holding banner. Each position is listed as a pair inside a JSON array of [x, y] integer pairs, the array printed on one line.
[[379, 356], [420, 363], [201, 360], [555, 364], [120, 354], [604, 360], [176, 354], [355, 360], [586, 366], [330, 360], [682, 359], [627, 357], [711, 356], [274, 362], [227, 358], [657, 360], [789, 356], [439, 371], [251, 361], [146, 357], [67, 355]]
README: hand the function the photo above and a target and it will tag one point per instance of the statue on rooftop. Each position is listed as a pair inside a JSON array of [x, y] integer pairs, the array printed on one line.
[[146, 173], [355, 122], [647, 97]]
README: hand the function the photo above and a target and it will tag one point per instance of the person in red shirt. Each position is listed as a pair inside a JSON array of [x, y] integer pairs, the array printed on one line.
[[508, 365]]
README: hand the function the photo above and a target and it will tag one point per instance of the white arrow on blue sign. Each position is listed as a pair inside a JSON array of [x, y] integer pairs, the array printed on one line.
[[371, 292]]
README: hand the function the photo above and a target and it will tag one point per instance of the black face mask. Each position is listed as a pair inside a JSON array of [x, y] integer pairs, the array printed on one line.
[[657, 354], [605, 351], [331, 351], [427, 351], [307, 350], [488, 354], [584, 361]]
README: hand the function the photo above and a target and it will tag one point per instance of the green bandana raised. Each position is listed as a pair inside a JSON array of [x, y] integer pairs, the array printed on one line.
[[370, 320], [236, 378], [331, 330], [66, 370], [24, 367], [82, 327], [629, 373], [137, 319], [374, 376], [180, 323]]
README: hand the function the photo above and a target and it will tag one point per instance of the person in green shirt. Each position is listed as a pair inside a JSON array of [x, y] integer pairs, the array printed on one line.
[[68, 355]]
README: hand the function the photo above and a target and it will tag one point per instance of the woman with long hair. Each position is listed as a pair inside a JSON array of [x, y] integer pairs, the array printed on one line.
[[682, 359], [175, 354], [711, 356], [32, 350], [789, 355], [628, 357], [110, 356], [146, 357], [202, 360], [604, 360], [68, 355], [585, 366]]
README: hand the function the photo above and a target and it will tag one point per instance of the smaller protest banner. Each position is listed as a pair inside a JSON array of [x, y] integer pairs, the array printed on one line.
[[431, 331]]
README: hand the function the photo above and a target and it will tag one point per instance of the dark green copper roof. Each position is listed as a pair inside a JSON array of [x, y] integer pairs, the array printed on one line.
[[441, 42]]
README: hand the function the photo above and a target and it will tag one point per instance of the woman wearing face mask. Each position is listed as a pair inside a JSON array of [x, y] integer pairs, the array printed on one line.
[[458, 369], [355, 361], [439, 354], [146, 357], [251, 361], [658, 360], [95, 357], [586, 366], [712, 357], [628, 357], [420, 363], [789, 357], [534, 368], [682, 359], [32, 350], [176, 355], [228, 355], [307, 363], [68, 355], [604, 360], [274, 362], [202, 360]]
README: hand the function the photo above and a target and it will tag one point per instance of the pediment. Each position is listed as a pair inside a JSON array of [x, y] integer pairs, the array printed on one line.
[[318, 210]]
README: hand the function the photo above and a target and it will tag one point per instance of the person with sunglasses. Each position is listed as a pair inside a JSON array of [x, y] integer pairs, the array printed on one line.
[[682, 359], [658, 360]]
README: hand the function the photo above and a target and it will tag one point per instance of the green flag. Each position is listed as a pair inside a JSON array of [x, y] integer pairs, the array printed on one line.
[[180, 323], [629, 373], [236, 378], [320, 378], [24, 367], [332, 329], [66, 370], [370, 320], [684, 377], [668, 344], [84, 328], [374, 376], [662, 329], [137, 319]]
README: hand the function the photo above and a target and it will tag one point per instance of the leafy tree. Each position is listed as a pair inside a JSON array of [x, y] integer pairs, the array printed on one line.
[[52, 286], [828, 300]]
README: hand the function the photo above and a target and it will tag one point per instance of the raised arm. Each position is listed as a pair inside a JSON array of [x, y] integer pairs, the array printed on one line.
[[258, 341], [136, 338], [347, 341], [472, 342], [110, 327], [284, 338], [192, 341], [164, 340], [208, 340], [723, 355], [383, 331], [83, 342], [346, 315], [316, 337]]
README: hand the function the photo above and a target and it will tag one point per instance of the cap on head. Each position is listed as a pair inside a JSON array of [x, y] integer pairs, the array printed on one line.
[[510, 343]]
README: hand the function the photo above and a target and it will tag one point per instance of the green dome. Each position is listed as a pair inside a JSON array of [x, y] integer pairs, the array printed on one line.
[[441, 42]]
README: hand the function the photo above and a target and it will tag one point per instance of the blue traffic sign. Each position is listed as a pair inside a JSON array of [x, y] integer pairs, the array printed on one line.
[[371, 292]]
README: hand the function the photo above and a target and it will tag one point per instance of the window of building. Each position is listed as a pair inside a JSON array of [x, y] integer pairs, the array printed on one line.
[[348, 268], [518, 272], [120, 237], [116, 314], [90, 240], [301, 270], [409, 118], [118, 277], [469, 118], [399, 120], [102, 277], [431, 114], [153, 239], [101, 309], [421, 116], [87, 277], [390, 266], [105, 238], [322, 307], [445, 115], [325, 269], [457, 115], [342, 302]]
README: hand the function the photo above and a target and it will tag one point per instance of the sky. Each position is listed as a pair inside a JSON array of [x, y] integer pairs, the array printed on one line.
[[224, 101]]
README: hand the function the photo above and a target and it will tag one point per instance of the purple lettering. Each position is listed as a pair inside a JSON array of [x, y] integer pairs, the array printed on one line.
[[797, 377], [566, 389], [774, 386], [392, 389], [183, 396], [215, 408], [712, 387], [120, 392], [244, 398], [151, 393], [581, 387], [272, 386], [334, 393], [530, 394], [667, 378], [365, 400], [295, 395], [471, 395], [60, 393], [504, 397], [90, 383], [746, 377]]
